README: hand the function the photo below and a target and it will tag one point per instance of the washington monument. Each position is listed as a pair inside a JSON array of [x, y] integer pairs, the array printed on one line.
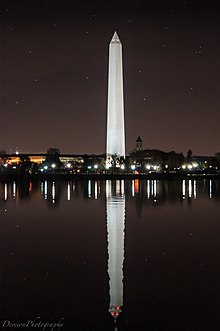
[[115, 109]]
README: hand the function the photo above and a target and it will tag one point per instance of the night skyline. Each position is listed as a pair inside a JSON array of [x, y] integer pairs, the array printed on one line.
[[54, 60]]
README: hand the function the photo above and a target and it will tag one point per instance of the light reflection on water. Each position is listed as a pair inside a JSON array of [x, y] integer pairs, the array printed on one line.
[[45, 189], [210, 189], [6, 192], [155, 190], [14, 190]]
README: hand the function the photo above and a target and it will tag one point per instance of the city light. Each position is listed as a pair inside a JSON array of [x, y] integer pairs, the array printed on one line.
[[53, 165], [96, 166]]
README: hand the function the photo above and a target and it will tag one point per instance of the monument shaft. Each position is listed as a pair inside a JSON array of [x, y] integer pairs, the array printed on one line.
[[115, 110]]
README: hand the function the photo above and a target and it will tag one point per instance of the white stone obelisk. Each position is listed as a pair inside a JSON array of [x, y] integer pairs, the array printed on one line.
[[115, 144]]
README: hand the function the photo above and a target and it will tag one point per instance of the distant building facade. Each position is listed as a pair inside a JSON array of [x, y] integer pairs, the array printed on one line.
[[139, 144]]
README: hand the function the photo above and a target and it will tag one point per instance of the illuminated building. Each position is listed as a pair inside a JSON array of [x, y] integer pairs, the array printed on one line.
[[115, 144], [69, 161], [72, 159], [37, 159], [13, 160]]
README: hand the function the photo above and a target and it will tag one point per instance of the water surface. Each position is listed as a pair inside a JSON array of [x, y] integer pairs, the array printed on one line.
[[142, 252]]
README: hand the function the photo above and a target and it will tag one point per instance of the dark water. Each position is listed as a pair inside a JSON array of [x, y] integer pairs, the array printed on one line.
[[148, 251]]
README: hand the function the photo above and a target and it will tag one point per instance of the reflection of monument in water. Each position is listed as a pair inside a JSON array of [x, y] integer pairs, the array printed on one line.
[[115, 207]]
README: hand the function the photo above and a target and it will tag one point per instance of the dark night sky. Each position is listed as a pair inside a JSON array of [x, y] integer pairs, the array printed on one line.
[[54, 60]]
